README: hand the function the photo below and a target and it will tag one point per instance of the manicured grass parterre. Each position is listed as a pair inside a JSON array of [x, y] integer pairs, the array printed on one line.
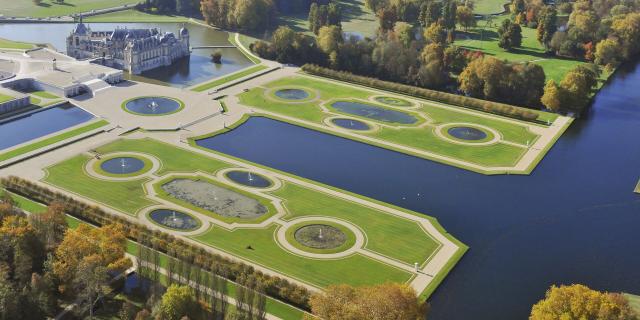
[[51, 8], [387, 235], [514, 135], [354, 270], [54, 139], [44, 94], [229, 78]]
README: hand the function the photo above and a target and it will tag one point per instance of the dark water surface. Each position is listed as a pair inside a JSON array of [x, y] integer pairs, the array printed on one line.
[[574, 220], [374, 112], [122, 165], [152, 105], [351, 124], [249, 179], [40, 124]]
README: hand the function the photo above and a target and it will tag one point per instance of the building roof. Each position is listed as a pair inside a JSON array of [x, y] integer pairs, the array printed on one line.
[[122, 34], [80, 29]]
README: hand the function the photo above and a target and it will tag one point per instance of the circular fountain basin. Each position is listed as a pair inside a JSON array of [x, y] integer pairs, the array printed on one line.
[[320, 236], [292, 94], [153, 106], [467, 133], [249, 179], [174, 219], [122, 165], [351, 124], [396, 102]]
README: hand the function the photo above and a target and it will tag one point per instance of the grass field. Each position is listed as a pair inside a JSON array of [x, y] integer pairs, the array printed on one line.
[[8, 44], [485, 38], [514, 135], [388, 235], [489, 6], [634, 301], [135, 16], [51, 140], [44, 94], [229, 78], [51, 8], [4, 97]]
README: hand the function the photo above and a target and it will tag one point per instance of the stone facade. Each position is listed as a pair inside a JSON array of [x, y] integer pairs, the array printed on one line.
[[133, 50]]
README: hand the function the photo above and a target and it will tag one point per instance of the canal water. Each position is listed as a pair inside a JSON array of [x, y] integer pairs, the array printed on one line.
[[575, 219], [186, 72], [39, 124]]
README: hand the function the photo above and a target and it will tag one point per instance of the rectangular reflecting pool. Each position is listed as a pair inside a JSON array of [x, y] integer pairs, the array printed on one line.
[[39, 124]]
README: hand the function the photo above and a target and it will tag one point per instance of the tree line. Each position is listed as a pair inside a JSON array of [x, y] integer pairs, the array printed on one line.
[[273, 286]]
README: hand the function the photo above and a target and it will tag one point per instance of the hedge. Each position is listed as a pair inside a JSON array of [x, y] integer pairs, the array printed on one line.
[[275, 287], [444, 97]]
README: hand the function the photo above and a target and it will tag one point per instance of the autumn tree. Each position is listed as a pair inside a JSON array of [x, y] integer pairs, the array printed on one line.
[[389, 301], [50, 225], [552, 97], [435, 33], [547, 25], [387, 18], [510, 35], [430, 13], [177, 302], [84, 245], [608, 53], [324, 15], [579, 302], [465, 17], [627, 29]]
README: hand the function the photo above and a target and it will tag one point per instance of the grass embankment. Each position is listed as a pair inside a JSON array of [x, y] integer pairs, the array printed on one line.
[[229, 78], [273, 306], [4, 98], [423, 138], [409, 243], [637, 190], [634, 301], [133, 15], [8, 44], [51, 8], [51, 140]]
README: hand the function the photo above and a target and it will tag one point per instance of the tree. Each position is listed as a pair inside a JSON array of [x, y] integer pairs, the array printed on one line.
[[608, 52], [465, 17], [627, 29], [435, 33], [510, 35], [382, 302], [404, 32], [387, 18], [430, 13], [547, 25], [329, 38], [104, 246], [217, 57], [449, 9], [90, 281], [254, 15], [50, 225], [282, 40], [177, 302], [184, 6], [579, 302], [552, 98]]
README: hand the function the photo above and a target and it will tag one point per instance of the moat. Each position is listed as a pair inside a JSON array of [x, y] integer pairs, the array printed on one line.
[[572, 220]]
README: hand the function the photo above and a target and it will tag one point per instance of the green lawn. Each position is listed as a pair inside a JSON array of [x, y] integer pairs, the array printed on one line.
[[126, 196], [388, 235], [50, 8], [44, 94], [135, 16], [354, 270], [418, 137], [489, 6], [229, 78], [8, 44], [4, 97], [485, 38], [54, 139]]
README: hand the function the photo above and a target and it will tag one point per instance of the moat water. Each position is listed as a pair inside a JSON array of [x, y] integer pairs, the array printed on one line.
[[182, 73], [573, 220]]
